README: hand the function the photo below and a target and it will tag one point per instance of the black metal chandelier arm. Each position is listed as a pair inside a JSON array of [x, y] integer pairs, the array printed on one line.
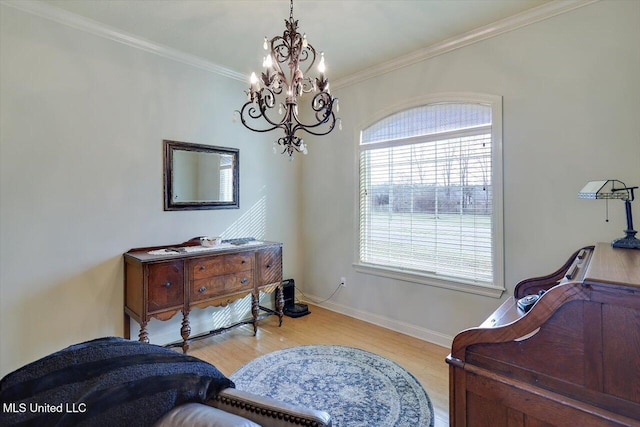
[[330, 119], [307, 54], [307, 85], [322, 104], [249, 110], [280, 49]]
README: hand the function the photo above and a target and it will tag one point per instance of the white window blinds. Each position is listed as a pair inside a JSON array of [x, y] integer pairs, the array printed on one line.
[[226, 178], [426, 192]]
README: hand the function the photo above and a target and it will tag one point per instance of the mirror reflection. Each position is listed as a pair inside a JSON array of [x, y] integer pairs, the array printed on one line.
[[200, 176]]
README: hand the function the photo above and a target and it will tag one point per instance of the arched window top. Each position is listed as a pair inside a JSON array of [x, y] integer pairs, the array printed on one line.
[[430, 193], [427, 120]]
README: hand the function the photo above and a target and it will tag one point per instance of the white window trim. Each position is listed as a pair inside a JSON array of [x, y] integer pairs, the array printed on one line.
[[497, 289]]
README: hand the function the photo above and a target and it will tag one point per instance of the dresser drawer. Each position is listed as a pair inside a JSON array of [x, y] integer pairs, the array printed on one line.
[[269, 266], [224, 264], [217, 286], [165, 285]]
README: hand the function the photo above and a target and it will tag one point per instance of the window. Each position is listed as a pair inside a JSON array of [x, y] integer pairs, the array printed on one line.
[[226, 178], [430, 204]]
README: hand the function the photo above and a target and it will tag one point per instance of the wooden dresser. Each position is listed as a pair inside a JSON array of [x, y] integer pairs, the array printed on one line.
[[572, 359], [158, 283]]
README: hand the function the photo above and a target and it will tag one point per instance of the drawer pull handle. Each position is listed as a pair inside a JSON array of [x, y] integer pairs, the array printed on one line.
[[268, 265], [244, 280], [167, 285], [202, 267], [244, 261], [202, 289]]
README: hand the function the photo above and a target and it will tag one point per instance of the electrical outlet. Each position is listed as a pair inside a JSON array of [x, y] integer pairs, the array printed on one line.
[[343, 281]]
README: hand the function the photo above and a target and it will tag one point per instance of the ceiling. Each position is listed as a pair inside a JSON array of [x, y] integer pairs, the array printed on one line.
[[354, 34]]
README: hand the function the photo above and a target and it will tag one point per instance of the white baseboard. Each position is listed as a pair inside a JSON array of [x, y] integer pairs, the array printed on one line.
[[393, 324], [166, 332]]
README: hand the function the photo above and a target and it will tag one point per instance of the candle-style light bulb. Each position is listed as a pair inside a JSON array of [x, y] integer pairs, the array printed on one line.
[[321, 66], [304, 40], [265, 45], [255, 84], [337, 106], [268, 62]]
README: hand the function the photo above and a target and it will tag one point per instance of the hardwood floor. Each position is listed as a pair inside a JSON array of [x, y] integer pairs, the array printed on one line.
[[424, 360]]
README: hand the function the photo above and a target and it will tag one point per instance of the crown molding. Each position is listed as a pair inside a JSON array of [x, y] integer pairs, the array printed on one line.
[[81, 23], [540, 13], [536, 14]]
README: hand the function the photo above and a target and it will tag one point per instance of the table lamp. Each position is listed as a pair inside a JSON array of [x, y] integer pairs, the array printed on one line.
[[606, 189]]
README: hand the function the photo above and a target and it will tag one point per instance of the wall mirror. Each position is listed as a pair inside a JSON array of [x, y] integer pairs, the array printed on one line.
[[200, 176]]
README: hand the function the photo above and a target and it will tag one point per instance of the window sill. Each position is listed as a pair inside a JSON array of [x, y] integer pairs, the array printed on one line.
[[426, 279]]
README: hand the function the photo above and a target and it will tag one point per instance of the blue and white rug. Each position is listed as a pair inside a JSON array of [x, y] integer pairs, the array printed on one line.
[[358, 388]]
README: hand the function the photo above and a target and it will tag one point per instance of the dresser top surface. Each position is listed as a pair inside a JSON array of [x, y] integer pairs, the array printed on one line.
[[169, 252], [615, 266]]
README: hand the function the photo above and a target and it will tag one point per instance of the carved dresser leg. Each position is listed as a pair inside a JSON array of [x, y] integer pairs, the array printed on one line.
[[279, 303], [143, 336], [185, 331], [255, 309]]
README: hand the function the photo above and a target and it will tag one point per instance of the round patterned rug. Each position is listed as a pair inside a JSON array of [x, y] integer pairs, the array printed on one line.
[[356, 387]]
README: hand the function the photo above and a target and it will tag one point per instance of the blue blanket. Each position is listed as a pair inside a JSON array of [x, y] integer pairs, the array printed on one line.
[[106, 382]]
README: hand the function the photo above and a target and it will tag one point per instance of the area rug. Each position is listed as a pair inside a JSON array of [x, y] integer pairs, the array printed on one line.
[[356, 387]]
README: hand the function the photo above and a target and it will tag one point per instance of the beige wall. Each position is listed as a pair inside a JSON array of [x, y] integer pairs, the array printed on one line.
[[82, 121], [82, 124], [571, 113]]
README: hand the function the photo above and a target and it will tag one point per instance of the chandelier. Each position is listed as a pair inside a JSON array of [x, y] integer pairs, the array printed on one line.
[[272, 99]]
